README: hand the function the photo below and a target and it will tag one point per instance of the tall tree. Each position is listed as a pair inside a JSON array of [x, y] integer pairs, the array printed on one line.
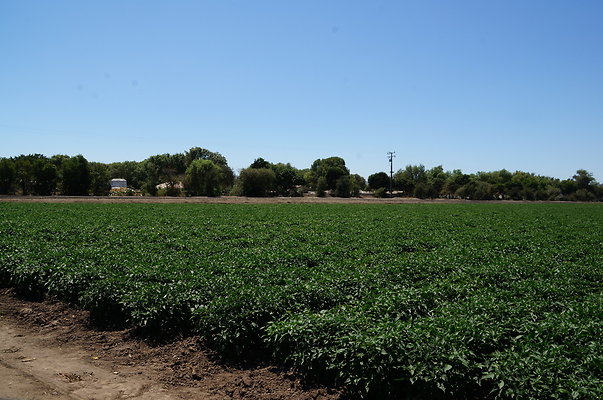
[[584, 179], [287, 178], [257, 182], [76, 176], [133, 172], [45, 177], [199, 153], [406, 179], [203, 178], [99, 179], [8, 176], [259, 163], [359, 183], [378, 180], [331, 169]]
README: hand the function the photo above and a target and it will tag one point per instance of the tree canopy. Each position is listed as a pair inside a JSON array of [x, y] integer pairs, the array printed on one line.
[[201, 172]]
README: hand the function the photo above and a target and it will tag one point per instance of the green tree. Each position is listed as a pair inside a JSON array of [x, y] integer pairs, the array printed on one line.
[[132, 171], [358, 182], [378, 180], [76, 176], [321, 187], [259, 163], [455, 180], [203, 178], [8, 176], [331, 169], [584, 180], [287, 178], [257, 182], [35, 174], [406, 179], [436, 178], [45, 177], [424, 190], [164, 168], [199, 153], [567, 187], [344, 186], [99, 179], [24, 169], [583, 195]]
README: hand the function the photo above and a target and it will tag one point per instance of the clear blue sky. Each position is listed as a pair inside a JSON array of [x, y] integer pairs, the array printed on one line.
[[475, 85]]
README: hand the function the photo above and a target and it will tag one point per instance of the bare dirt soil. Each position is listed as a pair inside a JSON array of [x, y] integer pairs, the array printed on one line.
[[49, 350], [231, 200]]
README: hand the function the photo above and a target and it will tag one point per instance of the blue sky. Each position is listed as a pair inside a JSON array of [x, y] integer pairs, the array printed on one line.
[[475, 85]]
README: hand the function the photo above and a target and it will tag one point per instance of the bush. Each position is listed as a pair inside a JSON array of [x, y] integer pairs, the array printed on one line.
[[343, 188], [321, 187], [381, 192], [257, 182], [424, 190], [583, 195]]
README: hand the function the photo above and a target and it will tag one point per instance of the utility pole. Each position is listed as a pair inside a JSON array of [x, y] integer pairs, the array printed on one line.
[[390, 156]]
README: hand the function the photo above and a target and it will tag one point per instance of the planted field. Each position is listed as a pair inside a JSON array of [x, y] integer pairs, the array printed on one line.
[[473, 300]]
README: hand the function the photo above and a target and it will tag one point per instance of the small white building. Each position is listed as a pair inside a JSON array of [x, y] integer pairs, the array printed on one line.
[[118, 183]]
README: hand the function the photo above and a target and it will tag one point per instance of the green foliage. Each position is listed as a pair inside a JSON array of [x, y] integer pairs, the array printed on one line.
[[99, 177], [321, 187], [198, 153], [165, 174], [287, 179], [8, 175], [378, 180], [76, 178], [259, 163], [34, 174], [424, 190], [583, 179], [359, 183], [426, 301], [380, 192], [406, 179], [164, 169], [45, 176], [257, 182], [344, 187], [331, 169], [133, 172], [203, 178]]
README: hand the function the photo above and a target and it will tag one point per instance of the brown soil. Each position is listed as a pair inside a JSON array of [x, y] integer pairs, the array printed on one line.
[[49, 350], [242, 200]]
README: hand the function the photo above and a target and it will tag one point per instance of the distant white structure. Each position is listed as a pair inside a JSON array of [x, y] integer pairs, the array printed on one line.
[[118, 183], [165, 185]]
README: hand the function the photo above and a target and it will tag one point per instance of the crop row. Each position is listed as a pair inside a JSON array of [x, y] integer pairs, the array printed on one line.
[[476, 300]]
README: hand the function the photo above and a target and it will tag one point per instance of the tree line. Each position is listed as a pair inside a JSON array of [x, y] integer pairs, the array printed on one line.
[[201, 172]]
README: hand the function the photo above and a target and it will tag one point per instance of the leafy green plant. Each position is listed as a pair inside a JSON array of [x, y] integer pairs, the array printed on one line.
[[424, 301]]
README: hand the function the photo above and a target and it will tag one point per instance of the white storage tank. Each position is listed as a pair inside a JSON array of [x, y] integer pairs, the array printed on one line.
[[118, 183]]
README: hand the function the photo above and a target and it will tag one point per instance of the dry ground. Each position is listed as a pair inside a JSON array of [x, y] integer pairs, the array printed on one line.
[[49, 351], [239, 200]]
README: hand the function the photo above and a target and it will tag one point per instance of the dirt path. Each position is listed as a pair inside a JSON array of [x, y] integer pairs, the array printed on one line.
[[233, 200], [36, 370], [48, 351]]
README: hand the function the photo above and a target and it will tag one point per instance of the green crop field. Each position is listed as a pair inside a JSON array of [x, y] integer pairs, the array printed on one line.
[[425, 300]]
